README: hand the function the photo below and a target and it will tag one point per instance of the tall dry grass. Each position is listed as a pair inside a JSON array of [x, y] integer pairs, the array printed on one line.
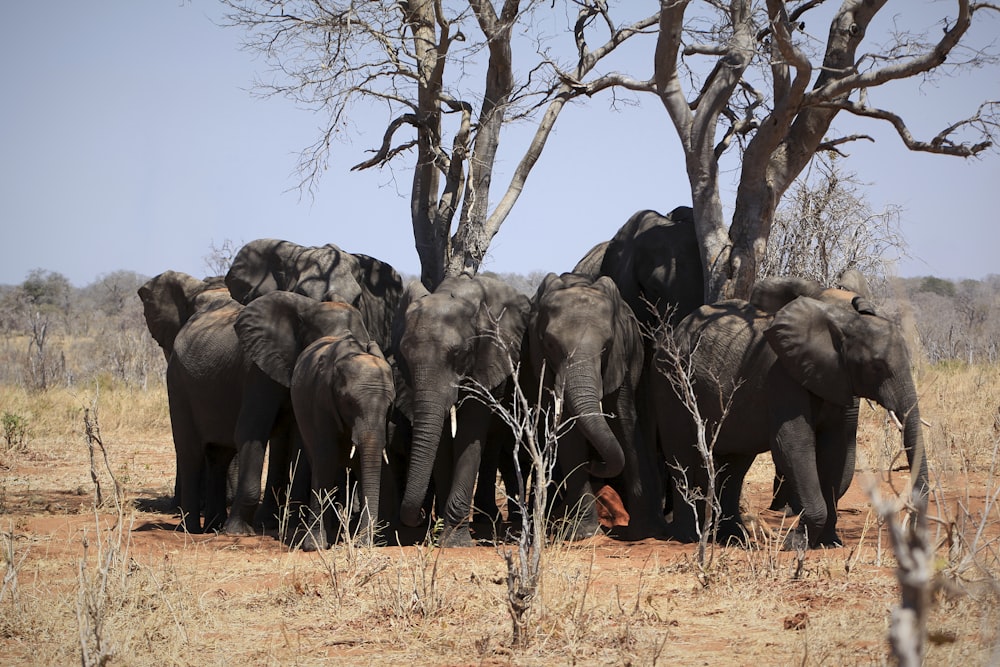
[[90, 584]]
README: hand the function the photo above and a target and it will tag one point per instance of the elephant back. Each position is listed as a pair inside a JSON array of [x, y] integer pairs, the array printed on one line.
[[656, 262]]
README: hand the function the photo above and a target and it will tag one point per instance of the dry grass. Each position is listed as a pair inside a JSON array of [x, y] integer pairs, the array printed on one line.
[[86, 584]]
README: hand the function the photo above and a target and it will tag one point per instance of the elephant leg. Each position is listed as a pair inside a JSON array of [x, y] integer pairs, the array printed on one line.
[[191, 469], [473, 424], [484, 507], [293, 516], [217, 461], [276, 489], [833, 459], [576, 513], [731, 470], [640, 480], [261, 400], [782, 498], [685, 471], [794, 446]]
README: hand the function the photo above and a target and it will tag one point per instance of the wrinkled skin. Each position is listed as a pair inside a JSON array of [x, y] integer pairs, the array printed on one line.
[[587, 342], [468, 330], [655, 261], [797, 373], [217, 397], [323, 273], [341, 391], [770, 295]]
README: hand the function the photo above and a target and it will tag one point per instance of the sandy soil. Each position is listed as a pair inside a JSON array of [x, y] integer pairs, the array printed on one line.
[[173, 598]]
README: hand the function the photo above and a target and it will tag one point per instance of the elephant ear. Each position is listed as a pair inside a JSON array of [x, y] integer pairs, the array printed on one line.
[[270, 329], [807, 338], [381, 290], [627, 356], [168, 301], [501, 320], [774, 293], [412, 293]]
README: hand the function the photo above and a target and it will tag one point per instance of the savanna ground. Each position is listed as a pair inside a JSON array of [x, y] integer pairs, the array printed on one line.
[[121, 585]]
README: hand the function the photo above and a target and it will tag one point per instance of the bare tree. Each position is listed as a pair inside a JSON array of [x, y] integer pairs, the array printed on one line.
[[737, 72], [422, 60], [827, 226]]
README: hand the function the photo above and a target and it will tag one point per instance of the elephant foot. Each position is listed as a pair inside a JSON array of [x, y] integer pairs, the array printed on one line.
[[795, 540], [314, 540], [456, 536], [829, 540], [236, 525], [568, 530], [634, 531], [215, 525], [733, 533]]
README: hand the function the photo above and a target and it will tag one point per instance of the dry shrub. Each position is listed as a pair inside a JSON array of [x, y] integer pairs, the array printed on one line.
[[169, 598]]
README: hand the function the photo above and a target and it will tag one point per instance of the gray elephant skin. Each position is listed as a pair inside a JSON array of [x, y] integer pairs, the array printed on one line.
[[469, 330], [341, 391], [771, 295], [217, 398], [655, 261], [323, 273], [796, 373], [585, 340]]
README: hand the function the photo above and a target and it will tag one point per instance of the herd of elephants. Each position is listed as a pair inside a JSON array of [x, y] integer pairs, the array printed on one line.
[[322, 360]]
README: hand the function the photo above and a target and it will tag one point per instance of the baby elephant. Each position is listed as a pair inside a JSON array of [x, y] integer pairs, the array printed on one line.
[[341, 392]]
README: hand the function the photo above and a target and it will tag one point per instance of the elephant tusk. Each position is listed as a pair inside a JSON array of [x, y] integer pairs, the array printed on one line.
[[385, 456], [895, 420], [454, 421], [899, 424], [354, 448]]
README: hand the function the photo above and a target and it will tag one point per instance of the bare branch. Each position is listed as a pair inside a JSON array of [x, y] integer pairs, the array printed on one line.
[[386, 152], [985, 120]]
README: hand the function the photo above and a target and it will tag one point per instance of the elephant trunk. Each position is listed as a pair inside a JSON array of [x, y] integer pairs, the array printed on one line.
[[582, 390], [900, 396], [430, 408], [370, 441]]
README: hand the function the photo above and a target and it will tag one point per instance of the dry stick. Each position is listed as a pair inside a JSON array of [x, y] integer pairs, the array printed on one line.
[[914, 558], [92, 430]]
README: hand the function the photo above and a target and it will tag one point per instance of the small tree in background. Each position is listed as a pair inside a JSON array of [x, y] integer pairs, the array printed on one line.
[[826, 226]]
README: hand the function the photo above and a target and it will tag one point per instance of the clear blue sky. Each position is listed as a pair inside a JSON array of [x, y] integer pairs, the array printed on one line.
[[129, 140]]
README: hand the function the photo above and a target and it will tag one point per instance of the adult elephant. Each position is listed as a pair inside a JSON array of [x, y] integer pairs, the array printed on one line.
[[341, 391], [788, 379], [468, 330], [655, 262], [323, 273], [583, 342], [217, 398], [851, 291]]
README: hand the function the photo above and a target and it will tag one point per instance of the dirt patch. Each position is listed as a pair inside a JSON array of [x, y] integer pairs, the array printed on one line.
[[160, 596]]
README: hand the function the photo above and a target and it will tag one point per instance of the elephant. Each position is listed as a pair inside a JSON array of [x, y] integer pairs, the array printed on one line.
[[217, 398], [323, 273], [341, 391], [584, 343], [770, 295], [655, 261], [789, 379], [468, 330]]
